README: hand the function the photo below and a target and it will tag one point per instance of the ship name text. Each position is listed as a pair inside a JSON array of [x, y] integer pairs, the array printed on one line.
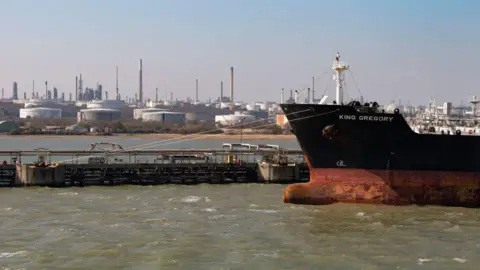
[[366, 118]]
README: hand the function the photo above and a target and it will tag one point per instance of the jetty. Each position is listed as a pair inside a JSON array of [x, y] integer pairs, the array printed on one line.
[[109, 164]]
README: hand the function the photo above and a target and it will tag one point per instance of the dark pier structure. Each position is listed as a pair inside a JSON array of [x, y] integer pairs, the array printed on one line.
[[233, 163]]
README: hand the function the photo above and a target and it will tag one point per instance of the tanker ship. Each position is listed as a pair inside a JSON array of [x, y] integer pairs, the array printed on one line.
[[358, 153]]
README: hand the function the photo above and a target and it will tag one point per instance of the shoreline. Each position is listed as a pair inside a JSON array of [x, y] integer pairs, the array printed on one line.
[[222, 136]]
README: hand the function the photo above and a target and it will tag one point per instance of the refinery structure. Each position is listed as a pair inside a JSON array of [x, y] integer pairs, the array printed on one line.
[[90, 104]]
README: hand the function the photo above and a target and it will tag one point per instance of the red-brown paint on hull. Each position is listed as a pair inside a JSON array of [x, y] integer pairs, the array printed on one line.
[[328, 186]]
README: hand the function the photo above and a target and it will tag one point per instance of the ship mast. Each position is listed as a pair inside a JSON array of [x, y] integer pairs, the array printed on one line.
[[339, 69]]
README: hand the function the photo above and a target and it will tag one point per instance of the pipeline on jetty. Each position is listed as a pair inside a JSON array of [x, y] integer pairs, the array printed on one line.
[[233, 163]]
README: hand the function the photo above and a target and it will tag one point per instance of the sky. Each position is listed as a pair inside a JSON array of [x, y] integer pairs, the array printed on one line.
[[402, 50]]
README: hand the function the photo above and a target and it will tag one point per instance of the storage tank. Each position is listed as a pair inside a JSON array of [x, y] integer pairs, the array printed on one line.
[[252, 107], [224, 105], [192, 117], [168, 118], [40, 113], [40, 103], [233, 119], [106, 104], [98, 115], [241, 105], [262, 106], [137, 113]]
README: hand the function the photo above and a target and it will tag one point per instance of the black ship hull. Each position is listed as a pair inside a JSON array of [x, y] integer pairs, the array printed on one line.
[[360, 155]]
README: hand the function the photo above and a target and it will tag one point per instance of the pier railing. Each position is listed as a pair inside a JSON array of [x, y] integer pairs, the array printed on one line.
[[76, 156]]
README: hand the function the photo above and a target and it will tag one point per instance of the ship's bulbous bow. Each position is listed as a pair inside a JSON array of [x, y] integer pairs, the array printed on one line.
[[306, 193], [327, 186]]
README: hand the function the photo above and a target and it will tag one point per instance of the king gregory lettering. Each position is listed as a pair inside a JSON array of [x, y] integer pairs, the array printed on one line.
[[366, 118]]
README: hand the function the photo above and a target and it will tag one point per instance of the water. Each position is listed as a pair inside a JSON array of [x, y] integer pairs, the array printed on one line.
[[222, 227], [225, 227]]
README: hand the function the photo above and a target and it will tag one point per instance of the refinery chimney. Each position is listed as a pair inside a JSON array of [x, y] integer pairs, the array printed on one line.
[[80, 88], [231, 84], [76, 88], [221, 91], [196, 90], [140, 83], [313, 89], [15, 91], [116, 83]]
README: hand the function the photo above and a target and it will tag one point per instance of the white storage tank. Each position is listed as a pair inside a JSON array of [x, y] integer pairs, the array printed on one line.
[[40, 113], [233, 119], [98, 115], [224, 105], [137, 113], [241, 105], [262, 106], [275, 107], [40, 103], [252, 107], [106, 104], [168, 118]]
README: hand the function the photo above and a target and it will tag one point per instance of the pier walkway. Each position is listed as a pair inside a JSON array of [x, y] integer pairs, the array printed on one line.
[[233, 163]]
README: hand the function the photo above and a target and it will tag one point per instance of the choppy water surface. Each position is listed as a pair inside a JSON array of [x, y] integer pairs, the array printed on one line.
[[225, 227], [219, 227]]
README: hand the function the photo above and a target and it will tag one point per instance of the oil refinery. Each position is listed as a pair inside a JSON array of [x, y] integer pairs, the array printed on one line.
[[92, 104]]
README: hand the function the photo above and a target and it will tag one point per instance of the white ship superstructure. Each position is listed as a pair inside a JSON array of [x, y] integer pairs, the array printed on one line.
[[445, 120]]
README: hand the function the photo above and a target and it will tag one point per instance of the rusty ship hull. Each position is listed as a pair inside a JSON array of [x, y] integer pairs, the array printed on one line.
[[357, 154]]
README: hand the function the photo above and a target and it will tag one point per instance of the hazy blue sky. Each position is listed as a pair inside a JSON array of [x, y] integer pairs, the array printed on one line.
[[398, 49]]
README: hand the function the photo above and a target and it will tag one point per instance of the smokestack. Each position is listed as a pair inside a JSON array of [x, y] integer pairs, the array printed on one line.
[[33, 89], [116, 83], [221, 91], [46, 90], [196, 90], [76, 88], [140, 83], [15, 91], [80, 87], [156, 95], [308, 96], [313, 89], [231, 84], [282, 100]]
